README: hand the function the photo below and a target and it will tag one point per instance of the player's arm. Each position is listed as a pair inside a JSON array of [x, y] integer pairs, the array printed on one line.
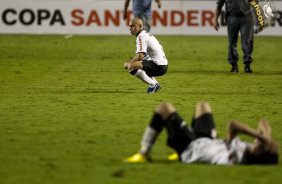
[[159, 3], [126, 3], [262, 136], [137, 57], [235, 128], [265, 130]]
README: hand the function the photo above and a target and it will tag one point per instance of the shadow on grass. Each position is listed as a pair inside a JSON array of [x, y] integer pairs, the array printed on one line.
[[208, 72], [231, 93], [126, 91], [102, 91]]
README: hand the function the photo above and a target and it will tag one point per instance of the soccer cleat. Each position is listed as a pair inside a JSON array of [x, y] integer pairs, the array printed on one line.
[[248, 69], [158, 88], [234, 68], [137, 158], [173, 157], [154, 89]]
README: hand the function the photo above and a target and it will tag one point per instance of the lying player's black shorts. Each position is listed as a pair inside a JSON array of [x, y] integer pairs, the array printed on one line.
[[180, 135], [152, 69], [204, 126]]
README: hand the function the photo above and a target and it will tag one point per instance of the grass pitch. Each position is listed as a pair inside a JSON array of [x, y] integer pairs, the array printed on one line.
[[70, 113]]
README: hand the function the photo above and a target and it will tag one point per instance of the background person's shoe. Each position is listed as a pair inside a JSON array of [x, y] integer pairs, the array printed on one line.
[[234, 68], [248, 69]]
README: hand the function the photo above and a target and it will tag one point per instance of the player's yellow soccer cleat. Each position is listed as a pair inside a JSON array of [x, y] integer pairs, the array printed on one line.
[[173, 157], [137, 158]]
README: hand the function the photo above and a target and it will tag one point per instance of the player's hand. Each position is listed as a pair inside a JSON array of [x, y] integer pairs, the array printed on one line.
[[125, 66]]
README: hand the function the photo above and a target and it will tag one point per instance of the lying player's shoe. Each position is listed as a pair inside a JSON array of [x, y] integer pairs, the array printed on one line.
[[154, 89], [173, 157], [137, 158]]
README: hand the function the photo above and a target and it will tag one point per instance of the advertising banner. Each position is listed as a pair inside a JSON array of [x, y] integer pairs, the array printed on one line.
[[106, 17]]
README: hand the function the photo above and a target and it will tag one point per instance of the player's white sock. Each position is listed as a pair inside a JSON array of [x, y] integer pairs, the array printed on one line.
[[149, 137], [154, 80], [141, 74]]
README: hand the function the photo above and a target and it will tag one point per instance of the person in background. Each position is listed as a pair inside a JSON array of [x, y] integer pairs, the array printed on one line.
[[141, 10], [239, 19]]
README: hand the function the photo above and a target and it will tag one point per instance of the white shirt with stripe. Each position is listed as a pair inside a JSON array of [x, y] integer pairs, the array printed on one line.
[[148, 44], [214, 151]]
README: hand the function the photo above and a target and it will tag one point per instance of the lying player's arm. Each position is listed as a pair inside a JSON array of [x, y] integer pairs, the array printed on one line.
[[235, 128], [265, 130]]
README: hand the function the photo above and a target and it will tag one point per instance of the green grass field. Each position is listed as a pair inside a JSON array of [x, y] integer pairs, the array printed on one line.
[[70, 113]]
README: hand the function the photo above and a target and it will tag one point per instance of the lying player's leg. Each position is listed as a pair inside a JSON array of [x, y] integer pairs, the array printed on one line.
[[151, 132], [202, 108], [156, 125], [203, 122], [179, 134]]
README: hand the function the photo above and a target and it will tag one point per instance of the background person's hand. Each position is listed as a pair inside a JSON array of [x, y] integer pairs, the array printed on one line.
[[124, 15], [159, 5], [216, 25]]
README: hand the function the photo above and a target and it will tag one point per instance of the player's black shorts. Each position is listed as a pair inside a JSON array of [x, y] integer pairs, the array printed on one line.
[[180, 135], [204, 126], [152, 69]]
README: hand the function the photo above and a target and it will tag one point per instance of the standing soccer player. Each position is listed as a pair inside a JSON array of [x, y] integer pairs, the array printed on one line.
[[149, 60]]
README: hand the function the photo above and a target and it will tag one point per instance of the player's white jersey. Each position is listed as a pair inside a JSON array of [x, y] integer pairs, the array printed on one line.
[[214, 151], [148, 44]]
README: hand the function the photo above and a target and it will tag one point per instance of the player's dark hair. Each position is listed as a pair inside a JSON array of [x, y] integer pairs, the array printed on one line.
[[264, 158]]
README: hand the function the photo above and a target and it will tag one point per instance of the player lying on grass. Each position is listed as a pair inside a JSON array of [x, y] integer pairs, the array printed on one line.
[[149, 59], [198, 143]]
